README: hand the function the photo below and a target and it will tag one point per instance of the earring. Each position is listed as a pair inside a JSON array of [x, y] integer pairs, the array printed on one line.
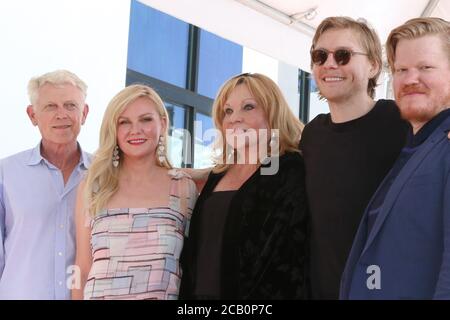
[[115, 157], [161, 151], [230, 154]]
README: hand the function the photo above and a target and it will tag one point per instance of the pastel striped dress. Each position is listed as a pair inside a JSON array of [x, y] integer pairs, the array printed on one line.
[[136, 251]]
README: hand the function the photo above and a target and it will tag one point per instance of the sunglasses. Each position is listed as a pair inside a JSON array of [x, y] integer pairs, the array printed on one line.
[[341, 56]]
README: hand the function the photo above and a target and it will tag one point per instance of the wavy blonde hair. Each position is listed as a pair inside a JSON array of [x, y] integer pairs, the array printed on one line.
[[278, 114], [102, 180]]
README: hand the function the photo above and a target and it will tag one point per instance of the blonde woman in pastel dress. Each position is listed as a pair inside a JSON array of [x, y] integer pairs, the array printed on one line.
[[133, 209]]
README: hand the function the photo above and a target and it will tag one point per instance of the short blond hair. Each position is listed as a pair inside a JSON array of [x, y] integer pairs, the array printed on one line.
[[417, 28], [56, 78], [369, 40], [268, 95]]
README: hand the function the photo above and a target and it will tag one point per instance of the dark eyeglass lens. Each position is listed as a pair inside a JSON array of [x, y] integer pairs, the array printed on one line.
[[319, 57], [342, 57]]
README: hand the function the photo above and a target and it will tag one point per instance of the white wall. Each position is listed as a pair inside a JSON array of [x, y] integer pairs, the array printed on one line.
[[285, 75], [88, 37], [288, 82], [256, 62], [317, 106]]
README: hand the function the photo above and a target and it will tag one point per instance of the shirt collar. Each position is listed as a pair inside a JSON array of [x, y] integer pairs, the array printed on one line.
[[36, 157], [86, 158], [427, 129]]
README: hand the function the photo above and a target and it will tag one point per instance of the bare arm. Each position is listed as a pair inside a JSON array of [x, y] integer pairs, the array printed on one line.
[[83, 259], [198, 175]]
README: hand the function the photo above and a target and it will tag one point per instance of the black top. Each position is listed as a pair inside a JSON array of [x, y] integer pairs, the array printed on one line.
[[264, 247], [345, 163], [212, 224]]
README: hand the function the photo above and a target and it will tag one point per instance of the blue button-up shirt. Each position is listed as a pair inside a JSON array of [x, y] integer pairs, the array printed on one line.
[[37, 226]]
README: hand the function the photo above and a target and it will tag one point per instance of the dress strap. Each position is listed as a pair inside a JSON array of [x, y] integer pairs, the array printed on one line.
[[183, 195]]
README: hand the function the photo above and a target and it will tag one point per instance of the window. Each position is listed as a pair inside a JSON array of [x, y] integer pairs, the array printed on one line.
[[305, 84], [219, 60], [204, 139], [158, 45], [177, 115]]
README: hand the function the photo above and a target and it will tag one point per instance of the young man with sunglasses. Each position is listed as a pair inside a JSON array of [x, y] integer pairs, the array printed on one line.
[[348, 151]]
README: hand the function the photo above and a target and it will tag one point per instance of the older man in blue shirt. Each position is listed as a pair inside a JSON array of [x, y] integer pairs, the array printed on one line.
[[38, 191]]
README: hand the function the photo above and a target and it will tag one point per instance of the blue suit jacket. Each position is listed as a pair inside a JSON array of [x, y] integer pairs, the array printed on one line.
[[410, 238]]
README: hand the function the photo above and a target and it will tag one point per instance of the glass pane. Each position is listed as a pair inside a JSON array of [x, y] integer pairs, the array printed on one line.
[[313, 85], [158, 44], [219, 60], [177, 116], [203, 141]]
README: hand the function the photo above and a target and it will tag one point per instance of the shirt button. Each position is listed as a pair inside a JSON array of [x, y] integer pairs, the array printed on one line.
[[60, 283], [61, 226], [60, 254]]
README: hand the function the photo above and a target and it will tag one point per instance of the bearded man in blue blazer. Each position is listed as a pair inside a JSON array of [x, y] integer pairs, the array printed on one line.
[[402, 247]]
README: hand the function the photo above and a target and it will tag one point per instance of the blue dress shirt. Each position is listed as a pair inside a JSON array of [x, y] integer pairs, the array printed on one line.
[[37, 226]]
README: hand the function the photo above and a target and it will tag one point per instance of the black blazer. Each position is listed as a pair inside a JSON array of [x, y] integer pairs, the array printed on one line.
[[264, 250]]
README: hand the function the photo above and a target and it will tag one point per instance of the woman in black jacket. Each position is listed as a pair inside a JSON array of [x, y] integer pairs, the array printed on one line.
[[247, 237]]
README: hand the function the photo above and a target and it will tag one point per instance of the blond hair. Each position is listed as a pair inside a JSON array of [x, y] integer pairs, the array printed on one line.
[[103, 178], [267, 95], [368, 38], [56, 78], [417, 28]]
